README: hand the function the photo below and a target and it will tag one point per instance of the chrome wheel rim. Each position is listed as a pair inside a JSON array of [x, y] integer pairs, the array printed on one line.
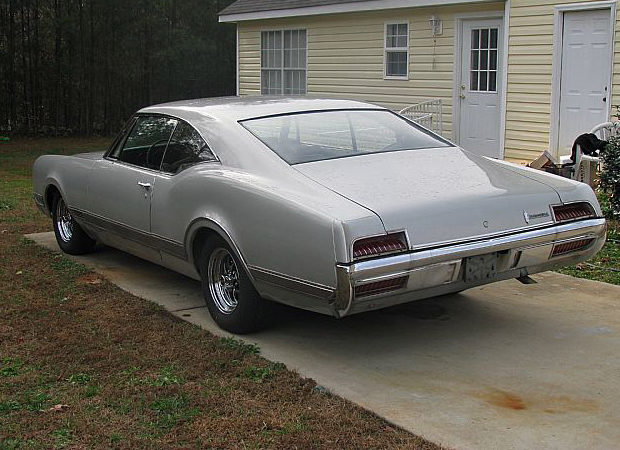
[[223, 280], [64, 221]]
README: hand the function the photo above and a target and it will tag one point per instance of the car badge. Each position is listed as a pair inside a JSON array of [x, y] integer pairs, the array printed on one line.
[[526, 216]]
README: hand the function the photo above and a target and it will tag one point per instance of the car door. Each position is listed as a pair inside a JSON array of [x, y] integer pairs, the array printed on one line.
[[121, 185], [174, 200]]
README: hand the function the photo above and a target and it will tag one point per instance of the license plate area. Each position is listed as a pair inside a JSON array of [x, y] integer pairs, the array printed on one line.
[[481, 267]]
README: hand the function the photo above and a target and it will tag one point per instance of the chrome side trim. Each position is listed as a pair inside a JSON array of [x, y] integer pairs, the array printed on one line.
[[147, 239], [571, 203], [40, 202], [291, 283], [344, 291]]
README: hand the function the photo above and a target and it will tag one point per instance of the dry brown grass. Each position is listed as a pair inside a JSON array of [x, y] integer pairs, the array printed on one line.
[[130, 374]]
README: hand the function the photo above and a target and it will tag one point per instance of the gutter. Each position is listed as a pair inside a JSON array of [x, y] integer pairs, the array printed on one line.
[[360, 6]]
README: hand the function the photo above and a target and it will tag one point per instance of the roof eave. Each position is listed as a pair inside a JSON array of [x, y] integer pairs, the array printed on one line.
[[372, 5]]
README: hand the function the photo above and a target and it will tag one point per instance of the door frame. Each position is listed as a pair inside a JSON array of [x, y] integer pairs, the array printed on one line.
[[458, 63], [556, 77]]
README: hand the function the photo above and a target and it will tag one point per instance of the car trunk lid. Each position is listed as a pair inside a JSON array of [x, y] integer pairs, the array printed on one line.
[[438, 196]]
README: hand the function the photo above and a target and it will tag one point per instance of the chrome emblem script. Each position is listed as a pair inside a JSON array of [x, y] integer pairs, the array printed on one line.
[[526, 216]]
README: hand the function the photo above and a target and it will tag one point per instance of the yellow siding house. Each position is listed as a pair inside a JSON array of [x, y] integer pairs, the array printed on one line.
[[504, 79]]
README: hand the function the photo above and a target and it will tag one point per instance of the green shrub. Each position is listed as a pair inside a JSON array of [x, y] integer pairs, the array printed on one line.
[[610, 176]]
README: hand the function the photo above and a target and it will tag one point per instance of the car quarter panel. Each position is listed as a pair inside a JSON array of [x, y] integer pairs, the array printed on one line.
[[284, 226], [69, 174], [568, 190]]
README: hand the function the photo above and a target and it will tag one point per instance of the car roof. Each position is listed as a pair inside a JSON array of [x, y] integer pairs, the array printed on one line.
[[241, 108]]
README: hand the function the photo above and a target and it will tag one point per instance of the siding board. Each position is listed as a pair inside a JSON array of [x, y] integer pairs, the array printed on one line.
[[529, 76], [345, 60], [345, 56]]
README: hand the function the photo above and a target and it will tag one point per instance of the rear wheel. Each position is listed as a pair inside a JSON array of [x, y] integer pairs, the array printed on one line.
[[70, 236], [231, 298]]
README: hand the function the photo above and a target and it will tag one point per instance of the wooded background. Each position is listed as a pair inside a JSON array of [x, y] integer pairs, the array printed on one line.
[[82, 67]]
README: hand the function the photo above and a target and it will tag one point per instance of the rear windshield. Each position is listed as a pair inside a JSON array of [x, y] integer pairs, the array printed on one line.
[[316, 136]]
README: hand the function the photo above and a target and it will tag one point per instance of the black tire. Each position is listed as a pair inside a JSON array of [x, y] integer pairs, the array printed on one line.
[[250, 312], [71, 238]]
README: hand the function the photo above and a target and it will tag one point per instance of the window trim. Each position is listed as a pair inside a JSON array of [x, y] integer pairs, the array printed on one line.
[[121, 137], [215, 158], [387, 49], [282, 68]]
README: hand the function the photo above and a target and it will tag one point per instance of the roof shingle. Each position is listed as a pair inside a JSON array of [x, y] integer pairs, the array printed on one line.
[[251, 6]]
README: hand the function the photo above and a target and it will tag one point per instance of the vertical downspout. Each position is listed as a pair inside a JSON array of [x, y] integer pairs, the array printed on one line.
[[237, 59], [503, 102]]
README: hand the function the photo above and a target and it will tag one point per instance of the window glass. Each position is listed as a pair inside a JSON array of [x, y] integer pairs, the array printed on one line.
[[316, 136], [396, 49], [117, 145], [483, 60], [283, 62], [147, 141], [186, 148]]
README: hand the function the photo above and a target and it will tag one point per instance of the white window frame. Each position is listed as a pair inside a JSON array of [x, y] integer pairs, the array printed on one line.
[[282, 68], [387, 49]]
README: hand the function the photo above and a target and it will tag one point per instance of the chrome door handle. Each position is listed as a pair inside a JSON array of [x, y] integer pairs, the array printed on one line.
[[146, 186]]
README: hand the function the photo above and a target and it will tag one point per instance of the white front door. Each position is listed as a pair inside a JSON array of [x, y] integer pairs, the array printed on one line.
[[479, 92], [585, 74]]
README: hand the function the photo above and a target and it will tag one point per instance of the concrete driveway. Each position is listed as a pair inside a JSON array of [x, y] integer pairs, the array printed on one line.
[[506, 366]]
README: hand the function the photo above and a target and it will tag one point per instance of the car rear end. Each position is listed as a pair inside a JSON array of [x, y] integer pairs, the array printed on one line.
[[383, 271]]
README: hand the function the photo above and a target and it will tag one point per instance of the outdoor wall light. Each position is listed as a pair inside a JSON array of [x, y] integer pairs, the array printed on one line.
[[436, 25]]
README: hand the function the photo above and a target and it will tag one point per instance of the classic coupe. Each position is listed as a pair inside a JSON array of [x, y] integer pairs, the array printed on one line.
[[332, 206]]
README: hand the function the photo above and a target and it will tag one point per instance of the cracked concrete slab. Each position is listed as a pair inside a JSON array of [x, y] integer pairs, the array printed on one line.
[[506, 365]]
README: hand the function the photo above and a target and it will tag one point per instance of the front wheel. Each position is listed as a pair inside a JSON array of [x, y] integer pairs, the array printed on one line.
[[70, 236], [231, 298]]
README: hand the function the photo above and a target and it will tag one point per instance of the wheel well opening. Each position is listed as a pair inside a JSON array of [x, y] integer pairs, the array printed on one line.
[[50, 193], [199, 239]]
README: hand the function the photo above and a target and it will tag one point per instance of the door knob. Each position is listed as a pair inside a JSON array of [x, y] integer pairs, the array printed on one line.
[[145, 185], [462, 95]]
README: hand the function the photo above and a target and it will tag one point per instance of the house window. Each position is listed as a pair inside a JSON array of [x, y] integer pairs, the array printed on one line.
[[396, 59], [283, 62], [483, 68]]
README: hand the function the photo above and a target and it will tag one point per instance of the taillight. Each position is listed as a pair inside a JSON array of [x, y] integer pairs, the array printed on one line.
[[571, 246], [379, 287], [379, 245], [573, 211]]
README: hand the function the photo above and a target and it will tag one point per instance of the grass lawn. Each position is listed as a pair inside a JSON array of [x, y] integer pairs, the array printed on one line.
[[605, 266], [84, 364]]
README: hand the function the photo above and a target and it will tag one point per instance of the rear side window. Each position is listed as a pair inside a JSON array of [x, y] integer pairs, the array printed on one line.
[[186, 148], [147, 141], [316, 136]]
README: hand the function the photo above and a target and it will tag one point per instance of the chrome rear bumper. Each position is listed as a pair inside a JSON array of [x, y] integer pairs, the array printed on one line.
[[437, 271]]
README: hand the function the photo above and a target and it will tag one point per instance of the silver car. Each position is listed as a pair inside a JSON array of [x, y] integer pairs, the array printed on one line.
[[332, 206]]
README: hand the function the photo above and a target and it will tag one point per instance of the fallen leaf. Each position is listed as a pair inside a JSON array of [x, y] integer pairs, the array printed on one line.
[[90, 279], [58, 407], [19, 272]]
